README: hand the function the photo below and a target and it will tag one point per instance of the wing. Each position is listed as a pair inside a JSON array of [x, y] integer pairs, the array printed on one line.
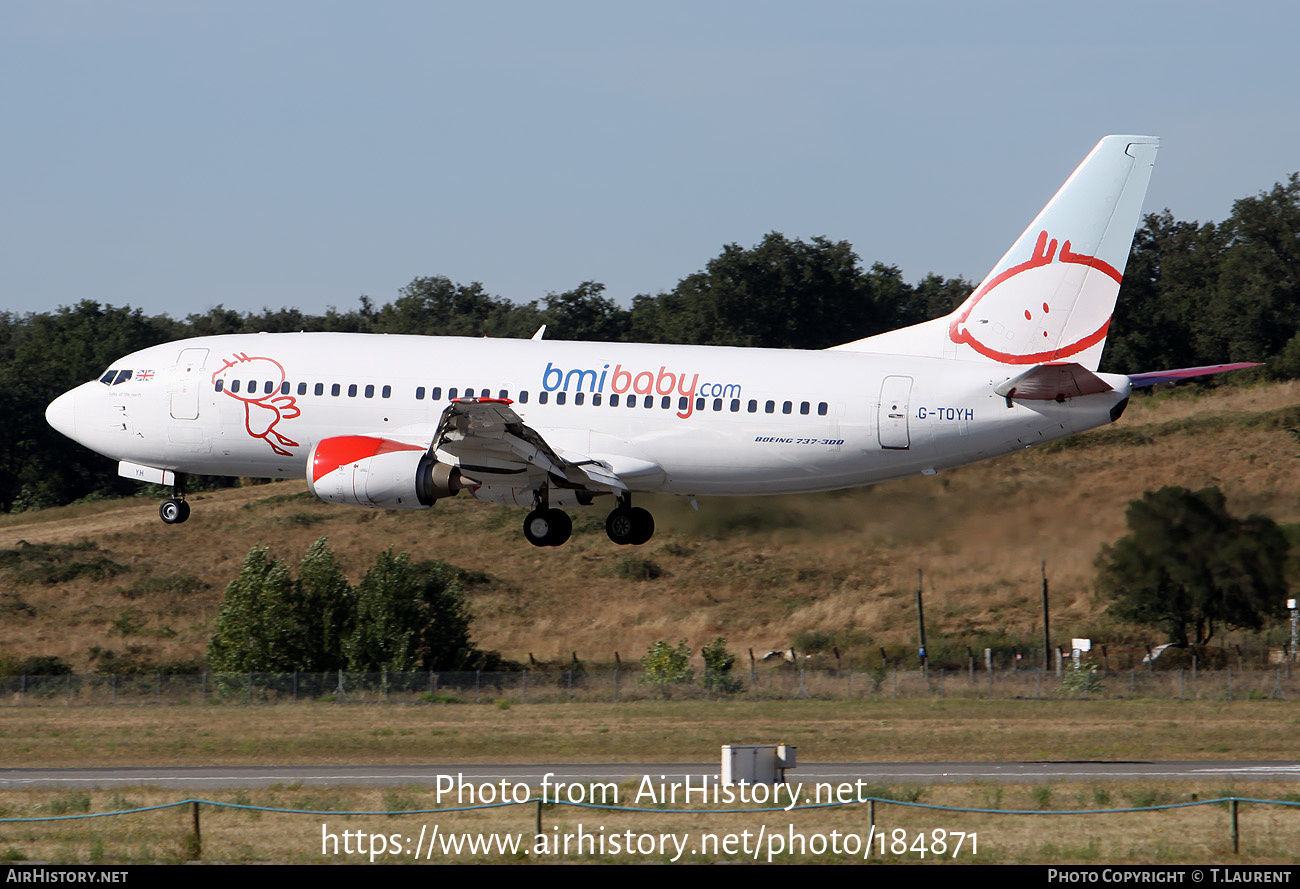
[[493, 446]]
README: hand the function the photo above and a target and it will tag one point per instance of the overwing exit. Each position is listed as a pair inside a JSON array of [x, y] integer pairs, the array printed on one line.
[[400, 422]]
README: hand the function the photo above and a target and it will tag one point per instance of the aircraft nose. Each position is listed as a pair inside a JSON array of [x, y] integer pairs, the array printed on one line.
[[61, 414]]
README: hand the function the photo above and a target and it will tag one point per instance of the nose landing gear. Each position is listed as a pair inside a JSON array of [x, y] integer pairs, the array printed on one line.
[[175, 510]]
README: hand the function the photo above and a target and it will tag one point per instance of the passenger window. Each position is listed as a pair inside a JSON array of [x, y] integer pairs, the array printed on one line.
[[284, 388], [370, 390], [221, 384], [268, 387], [717, 404], [352, 390], [523, 397], [683, 403], [699, 404], [666, 402], [234, 385], [735, 405], [503, 394], [803, 407], [613, 400], [753, 406], [319, 389], [787, 407], [561, 397], [302, 388], [579, 397], [451, 394], [386, 392], [769, 407], [543, 397], [821, 408], [419, 393], [649, 401], [436, 393], [252, 387], [595, 399], [335, 390]]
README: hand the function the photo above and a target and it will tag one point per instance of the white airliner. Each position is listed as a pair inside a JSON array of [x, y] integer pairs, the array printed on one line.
[[398, 422]]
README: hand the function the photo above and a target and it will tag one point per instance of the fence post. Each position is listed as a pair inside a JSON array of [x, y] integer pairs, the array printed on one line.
[[1232, 814], [196, 850]]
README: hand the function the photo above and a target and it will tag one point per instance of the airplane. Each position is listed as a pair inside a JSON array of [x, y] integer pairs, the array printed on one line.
[[400, 422]]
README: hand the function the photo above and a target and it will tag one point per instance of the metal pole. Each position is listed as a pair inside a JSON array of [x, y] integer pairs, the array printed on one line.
[[920, 620], [1047, 633]]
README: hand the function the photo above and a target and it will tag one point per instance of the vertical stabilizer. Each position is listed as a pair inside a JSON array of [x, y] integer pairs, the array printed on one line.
[[1050, 298]]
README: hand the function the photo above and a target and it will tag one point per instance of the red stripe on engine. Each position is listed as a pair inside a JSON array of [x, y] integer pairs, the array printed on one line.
[[331, 453]]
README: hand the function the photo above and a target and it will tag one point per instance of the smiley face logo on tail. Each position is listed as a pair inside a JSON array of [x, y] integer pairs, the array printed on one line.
[[1053, 305], [260, 380]]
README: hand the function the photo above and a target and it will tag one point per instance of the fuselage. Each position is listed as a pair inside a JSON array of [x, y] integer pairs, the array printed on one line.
[[677, 419]]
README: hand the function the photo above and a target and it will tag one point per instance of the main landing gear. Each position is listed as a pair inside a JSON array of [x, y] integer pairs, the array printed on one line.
[[626, 524], [547, 527], [175, 510]]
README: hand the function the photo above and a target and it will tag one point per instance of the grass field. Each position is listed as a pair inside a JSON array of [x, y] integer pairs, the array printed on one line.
[[824, 731]]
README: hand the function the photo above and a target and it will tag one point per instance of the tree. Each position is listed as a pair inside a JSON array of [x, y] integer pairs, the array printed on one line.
[[781, 293], [402, 616], [718, 662], [326, 607], [388, 614], [256, 628], [664, 665], [1191, 567]]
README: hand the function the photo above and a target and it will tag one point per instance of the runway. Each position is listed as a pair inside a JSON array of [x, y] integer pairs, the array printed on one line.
[[220, 777]]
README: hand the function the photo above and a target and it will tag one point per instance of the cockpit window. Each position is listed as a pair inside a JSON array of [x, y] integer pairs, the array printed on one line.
[[122, 377], [107, 378]]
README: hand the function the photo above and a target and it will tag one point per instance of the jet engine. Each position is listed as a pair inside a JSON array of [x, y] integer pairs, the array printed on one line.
[[363, 470]]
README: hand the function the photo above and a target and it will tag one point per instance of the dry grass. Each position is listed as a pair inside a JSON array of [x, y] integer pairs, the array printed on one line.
[[1187, 835], [933, 730], [758, 571]]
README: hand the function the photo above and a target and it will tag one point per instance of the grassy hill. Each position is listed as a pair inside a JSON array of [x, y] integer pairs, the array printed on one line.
[[106, 583]]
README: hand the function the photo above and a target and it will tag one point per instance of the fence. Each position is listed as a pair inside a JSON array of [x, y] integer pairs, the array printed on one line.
[[619, 686]]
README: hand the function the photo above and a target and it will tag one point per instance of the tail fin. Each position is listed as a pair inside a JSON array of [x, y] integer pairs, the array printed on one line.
[[1050, 298]]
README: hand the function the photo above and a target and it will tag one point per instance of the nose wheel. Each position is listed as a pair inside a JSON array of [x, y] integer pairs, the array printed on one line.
[[173, 511]]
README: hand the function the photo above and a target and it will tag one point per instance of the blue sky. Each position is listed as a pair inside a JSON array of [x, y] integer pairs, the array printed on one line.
[[175, 156]]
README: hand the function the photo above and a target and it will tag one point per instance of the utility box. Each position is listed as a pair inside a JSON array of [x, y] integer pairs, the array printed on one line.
[[756, 763]]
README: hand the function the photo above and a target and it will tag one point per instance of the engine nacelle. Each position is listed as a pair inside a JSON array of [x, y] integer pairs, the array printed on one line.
[[363, 470]]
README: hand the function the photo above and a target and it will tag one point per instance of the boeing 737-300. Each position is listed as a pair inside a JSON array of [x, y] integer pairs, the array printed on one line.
[[399, 422]]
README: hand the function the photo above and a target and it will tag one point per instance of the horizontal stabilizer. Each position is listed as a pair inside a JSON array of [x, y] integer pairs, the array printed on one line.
[[1053, 382], [1186, 373]]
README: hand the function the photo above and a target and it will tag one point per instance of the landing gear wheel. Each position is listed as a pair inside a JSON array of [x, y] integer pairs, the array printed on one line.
[[173, 511], [630, 525], [547, 527]]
